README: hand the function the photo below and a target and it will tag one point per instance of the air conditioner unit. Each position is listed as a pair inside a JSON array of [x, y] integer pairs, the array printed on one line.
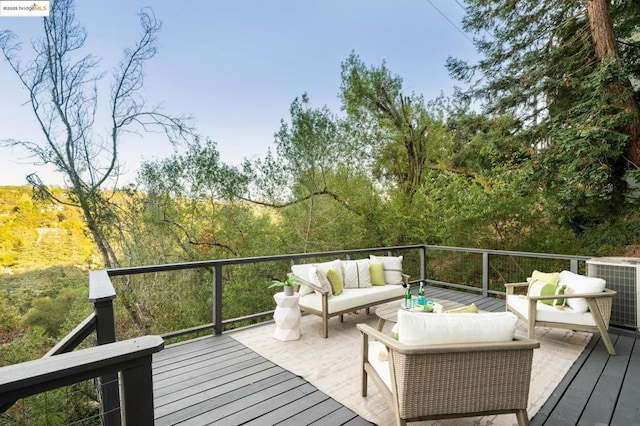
[[622, 274]]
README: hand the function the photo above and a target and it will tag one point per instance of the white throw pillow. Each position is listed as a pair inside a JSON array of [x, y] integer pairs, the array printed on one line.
[[317, 277], [392, 268], [417, 328], [579, 284], [304, 271], [355, 273]]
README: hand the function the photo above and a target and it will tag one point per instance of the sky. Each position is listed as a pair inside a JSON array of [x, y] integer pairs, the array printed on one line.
[[236, 66]]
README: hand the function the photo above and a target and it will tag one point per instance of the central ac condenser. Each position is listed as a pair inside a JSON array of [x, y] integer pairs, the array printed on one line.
[[622, 274]]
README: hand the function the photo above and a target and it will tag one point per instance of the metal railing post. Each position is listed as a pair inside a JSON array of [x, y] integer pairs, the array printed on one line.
[[574, 266], [485, 274], [217, 300], [423, 263]]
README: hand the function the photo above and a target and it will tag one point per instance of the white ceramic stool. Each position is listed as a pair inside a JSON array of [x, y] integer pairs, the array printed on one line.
[[287, 317]]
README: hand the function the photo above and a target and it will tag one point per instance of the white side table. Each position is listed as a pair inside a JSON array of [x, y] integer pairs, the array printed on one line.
[[287, 317]]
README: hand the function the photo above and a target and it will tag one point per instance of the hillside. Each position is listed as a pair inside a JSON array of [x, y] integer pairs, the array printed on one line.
[[38, 234]]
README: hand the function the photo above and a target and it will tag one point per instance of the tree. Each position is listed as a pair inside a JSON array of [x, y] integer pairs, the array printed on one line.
[[313, 180], [606, 49], [400, 134], [182, 190], [63, 92], [553, 65]]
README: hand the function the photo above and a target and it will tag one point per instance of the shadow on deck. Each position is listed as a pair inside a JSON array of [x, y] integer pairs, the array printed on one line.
[[217, 380]]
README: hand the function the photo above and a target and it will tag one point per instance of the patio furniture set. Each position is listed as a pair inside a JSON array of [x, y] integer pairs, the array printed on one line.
[[446, 365]]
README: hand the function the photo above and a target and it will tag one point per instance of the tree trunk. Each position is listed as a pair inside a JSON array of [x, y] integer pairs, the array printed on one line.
[[606, 49]]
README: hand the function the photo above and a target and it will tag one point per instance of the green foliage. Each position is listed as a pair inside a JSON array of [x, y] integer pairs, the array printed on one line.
[[38, 234], [10, 321], [398, 131], [574, 109], [21, 289], [51, 313], [31, 344]]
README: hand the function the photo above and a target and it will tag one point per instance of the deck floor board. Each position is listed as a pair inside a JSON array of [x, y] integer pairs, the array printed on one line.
[[627, 411]]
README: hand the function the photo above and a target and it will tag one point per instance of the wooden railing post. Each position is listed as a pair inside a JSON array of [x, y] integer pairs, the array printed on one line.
[[137, 390], [217, 299], [102, 293]]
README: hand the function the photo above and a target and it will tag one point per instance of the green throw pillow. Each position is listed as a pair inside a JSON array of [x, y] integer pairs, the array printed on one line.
[[376, 271], [471, 309], [551, 290], [539, 288], [335, 279], [547, 278], [560, 291]]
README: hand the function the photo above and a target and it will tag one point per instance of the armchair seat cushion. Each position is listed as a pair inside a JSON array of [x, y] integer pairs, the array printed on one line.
[[549, 313], [351, 297], [378, 357]]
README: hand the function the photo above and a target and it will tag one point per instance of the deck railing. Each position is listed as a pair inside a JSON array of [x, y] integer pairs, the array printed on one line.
[[474, 270], [128, 359]]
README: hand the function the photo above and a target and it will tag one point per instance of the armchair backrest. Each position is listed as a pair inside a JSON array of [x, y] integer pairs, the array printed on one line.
[[463, 378]]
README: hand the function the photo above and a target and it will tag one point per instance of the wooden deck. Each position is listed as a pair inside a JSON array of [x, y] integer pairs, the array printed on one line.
[[217, 380]]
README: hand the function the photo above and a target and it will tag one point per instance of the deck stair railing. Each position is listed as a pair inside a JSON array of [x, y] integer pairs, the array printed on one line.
[[131, 359]]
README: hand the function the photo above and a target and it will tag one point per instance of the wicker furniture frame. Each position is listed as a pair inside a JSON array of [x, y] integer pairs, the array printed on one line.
[[599, 307], [455, 380]]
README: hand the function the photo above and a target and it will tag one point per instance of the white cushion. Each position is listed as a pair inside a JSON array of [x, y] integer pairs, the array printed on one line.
[[304, 271], [415, 328], [392, 268], [355, 273], [317, 277], [353, 297], [379, 360], [579, 284], [548, 313]]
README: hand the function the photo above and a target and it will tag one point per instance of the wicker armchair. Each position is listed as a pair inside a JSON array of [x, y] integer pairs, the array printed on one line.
[[447, 381], [595, 320]]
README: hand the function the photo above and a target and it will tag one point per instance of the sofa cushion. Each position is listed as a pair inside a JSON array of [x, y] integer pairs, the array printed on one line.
[[335, 279], [548, 313], [376, 271], [539, 288], [392, 266], [353, 298], [415, 328], [546, 277], [304, 271], [579, 284], [355, 273], [318, 278], [471, 309]]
